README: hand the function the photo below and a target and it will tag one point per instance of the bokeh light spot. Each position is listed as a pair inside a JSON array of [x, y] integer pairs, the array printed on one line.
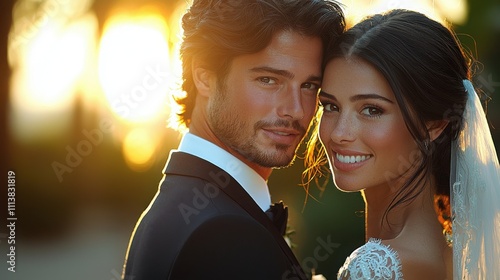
[[134, 66], [138, 148]]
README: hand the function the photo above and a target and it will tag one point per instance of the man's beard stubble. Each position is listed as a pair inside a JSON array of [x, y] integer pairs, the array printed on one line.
[[226, 126]]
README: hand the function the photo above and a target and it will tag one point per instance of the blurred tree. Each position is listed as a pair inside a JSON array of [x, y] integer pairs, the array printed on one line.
[[481, 36]]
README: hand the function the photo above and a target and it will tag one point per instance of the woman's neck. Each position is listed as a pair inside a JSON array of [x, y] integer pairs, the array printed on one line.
[[385, 224]]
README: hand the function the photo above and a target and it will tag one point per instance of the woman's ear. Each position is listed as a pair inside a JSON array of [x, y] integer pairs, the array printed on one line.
[[435, 128], [203, 79]]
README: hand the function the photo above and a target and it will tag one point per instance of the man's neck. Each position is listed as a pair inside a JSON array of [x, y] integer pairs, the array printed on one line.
[[252, 182], [206, 133]]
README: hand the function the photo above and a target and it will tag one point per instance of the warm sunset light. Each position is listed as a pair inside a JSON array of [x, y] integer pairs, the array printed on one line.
[[134, 66], [454, 11], [48, 63], [51, 65], [111, 159], [138, 148]]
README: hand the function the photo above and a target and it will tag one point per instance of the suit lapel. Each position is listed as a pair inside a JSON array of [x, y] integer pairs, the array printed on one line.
[[184, 164]]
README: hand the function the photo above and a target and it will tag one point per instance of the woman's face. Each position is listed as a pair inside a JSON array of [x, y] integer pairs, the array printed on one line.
[[362, 128]]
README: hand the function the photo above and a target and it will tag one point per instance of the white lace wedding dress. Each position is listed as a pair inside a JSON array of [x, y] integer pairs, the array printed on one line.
[[374, 261]]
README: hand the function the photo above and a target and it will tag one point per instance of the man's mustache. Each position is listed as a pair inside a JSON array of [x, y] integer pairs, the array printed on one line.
[[281, 123]]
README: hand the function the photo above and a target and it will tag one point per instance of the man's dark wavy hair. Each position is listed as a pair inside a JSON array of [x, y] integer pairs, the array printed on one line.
[[217, 31]]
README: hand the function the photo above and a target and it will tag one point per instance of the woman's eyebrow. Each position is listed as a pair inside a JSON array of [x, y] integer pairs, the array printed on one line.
[[357, 97], [326, 95], [369, 96]]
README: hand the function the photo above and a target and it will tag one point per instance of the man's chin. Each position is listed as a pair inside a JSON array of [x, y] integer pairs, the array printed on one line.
[[277, 161], [274, 156], [290, 163]]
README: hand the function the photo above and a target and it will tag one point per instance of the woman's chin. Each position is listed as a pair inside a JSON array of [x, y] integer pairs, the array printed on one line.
[[347, 187]]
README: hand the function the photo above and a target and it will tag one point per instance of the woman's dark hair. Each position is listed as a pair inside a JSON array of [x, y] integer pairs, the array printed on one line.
[[217, 31], [425, 66]]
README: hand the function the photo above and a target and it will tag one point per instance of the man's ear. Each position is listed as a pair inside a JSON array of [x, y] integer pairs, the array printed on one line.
[[203, 79], [435, 128]]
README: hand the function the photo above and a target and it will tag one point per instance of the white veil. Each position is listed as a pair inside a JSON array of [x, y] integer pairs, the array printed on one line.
[[475, 196]]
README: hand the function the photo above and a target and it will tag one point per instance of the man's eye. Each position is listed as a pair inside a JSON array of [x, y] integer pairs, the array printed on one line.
[[311, 86], [267, 80]]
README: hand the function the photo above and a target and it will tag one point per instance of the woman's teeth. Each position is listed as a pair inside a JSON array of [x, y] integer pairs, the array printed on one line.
[[351, 159]]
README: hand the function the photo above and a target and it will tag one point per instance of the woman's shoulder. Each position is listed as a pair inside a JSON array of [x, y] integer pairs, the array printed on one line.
[[373, 260], [424, 260]]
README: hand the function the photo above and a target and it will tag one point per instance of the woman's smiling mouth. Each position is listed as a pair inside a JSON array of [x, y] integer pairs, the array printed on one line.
[[351, 159]]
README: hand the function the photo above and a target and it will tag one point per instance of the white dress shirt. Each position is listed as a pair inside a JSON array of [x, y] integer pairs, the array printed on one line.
[[250, 180]]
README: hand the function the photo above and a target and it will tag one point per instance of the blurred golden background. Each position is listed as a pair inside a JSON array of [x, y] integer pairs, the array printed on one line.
[[84, 125]]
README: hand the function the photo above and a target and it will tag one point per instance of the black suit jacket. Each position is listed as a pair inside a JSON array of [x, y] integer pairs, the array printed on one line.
[[203, 225]]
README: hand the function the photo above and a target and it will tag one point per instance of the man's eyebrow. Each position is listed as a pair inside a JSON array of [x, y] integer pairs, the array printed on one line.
[[357, 97], [283, 73]]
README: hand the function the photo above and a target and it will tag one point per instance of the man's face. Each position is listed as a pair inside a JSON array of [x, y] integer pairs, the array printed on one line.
[[264, 106]]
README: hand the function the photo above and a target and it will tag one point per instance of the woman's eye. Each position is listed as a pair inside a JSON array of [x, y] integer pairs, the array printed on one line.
[[329, 107], [372, 111], [267, 80]]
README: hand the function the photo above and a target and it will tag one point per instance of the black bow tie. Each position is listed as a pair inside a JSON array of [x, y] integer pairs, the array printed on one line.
[[278, 213]]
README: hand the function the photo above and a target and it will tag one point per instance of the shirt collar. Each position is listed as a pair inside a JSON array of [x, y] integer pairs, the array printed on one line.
[[250, 180]]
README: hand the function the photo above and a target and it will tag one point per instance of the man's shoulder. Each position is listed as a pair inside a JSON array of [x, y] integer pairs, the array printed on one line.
[[166, 228], [194, 186], [184, 192], [182, 163], [182, 203]]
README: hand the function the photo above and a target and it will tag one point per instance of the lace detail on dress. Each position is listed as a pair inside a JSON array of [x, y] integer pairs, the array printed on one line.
[[373, 260]]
